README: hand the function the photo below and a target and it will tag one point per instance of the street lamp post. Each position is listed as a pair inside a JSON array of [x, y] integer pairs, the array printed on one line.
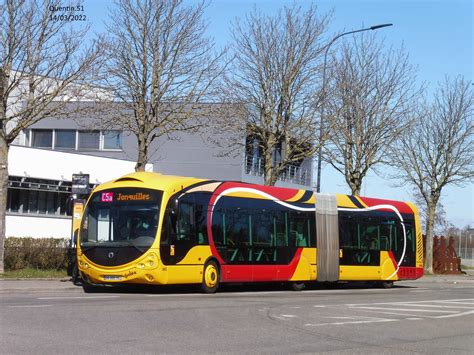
[[320, 152]]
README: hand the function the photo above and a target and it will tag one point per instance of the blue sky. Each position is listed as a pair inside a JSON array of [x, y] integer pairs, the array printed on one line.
[[437, 34]]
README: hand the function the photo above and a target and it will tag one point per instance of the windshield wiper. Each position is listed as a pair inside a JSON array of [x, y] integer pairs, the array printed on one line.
[[85, 248]]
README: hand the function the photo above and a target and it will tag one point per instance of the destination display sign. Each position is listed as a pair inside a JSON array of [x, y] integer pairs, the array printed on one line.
[[116, 196]]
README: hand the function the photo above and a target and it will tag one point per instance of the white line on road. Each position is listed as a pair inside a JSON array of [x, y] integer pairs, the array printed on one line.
[[353, 322], [456, 315], [393, 313], [454, 301], [76, 298], [432, 305], [421, 291], [405, 309], [30, 306]]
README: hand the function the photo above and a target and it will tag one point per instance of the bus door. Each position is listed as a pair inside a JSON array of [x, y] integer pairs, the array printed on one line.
[[327, 238], [76, 212]]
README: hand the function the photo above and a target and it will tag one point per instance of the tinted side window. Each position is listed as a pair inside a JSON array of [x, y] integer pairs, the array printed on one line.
[[260, 231], [364, 234], [185, 229]]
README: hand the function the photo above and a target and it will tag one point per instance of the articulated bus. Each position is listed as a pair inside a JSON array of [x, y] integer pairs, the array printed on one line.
[[148, 228]]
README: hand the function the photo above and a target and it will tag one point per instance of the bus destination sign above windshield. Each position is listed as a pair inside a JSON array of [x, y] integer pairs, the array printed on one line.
[[107, 197], [119, 196]]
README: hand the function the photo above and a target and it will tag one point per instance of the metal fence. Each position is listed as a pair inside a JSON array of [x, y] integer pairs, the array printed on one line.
[[465, 248], [292, 173]]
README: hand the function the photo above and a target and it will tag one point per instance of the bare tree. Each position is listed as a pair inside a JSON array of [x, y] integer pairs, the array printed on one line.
[[275, 73], [370, 95], [440, 221], [438, 149], [160, 68], [42, 61]]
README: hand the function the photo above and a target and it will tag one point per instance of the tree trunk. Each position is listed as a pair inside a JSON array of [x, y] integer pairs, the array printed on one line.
[[355, 185], [355, 190], [429, 238], [3, 195], [270, 177], [142, 159]]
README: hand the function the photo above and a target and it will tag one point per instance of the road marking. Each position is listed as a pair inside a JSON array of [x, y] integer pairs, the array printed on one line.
[[284, 316], [30, 306], [319, 306], [420, 291], [394, 313], [455, 301], [432, 305], [457, 314], [76, 298], [353, 322], [405, 309], [452, 308]]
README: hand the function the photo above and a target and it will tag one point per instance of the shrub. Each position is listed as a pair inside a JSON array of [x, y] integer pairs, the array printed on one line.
[[44, 253]]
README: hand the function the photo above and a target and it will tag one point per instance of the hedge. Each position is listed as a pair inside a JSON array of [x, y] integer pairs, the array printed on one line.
[[44, 253]]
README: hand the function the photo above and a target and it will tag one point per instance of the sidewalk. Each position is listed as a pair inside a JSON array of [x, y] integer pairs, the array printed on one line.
[[467, 276], [54, 285], [40, 285]]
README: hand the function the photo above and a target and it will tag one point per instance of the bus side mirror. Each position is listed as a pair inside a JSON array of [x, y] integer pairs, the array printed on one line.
[[174, 207], [174, 210]]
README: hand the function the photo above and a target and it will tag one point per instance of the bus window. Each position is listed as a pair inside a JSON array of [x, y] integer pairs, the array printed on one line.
[[185, 224], [298, 229], [262, 228], [280, 221]]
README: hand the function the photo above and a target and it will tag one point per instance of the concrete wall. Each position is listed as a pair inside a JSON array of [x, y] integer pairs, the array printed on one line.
[[182, 154], [37, 227], [56, 165]]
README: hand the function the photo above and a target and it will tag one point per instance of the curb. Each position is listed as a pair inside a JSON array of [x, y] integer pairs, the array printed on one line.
[[38, 284]]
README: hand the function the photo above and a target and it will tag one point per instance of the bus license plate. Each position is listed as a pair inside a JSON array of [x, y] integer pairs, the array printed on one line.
[[113, 277]]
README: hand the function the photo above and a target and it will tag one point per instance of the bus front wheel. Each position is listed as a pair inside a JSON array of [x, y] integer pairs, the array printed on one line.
[[210, 277]]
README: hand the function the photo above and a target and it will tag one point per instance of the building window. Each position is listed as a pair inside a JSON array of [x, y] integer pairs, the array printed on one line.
[[89, 140], [65, 139], [32, 196], [70, 139], [42, 138], [112, 140]]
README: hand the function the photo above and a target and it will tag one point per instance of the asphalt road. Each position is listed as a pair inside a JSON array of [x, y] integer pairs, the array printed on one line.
[[432, 317]]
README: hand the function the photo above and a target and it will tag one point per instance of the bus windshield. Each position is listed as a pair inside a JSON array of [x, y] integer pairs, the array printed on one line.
[[121, 217]]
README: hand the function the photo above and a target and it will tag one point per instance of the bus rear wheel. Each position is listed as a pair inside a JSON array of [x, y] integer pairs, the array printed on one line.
[[210, 277], [298, 286], [386, 284]]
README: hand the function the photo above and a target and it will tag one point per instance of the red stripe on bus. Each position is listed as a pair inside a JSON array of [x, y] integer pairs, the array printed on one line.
[[282, 194], [400, 206], [394, 261], [405, 272], [248, 273]]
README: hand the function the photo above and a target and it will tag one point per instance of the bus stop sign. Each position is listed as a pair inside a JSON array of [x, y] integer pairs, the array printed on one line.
[[80, 184]]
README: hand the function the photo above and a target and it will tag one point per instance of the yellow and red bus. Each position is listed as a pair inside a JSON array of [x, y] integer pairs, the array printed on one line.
[[148, 228]]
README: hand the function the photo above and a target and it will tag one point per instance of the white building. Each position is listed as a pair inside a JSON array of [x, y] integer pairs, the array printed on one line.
[[40, 184]]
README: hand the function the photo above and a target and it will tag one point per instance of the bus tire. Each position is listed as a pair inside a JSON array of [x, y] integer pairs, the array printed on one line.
[[298, 286], [210, 277], [89, 288], [386, 284]]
